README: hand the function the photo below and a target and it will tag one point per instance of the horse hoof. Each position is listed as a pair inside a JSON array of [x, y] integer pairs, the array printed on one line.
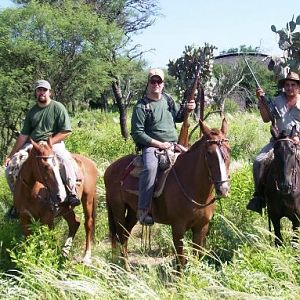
[[87, 261]]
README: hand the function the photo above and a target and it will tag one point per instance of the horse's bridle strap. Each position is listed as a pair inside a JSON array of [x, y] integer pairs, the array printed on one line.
[[187, 196], [45, 156]]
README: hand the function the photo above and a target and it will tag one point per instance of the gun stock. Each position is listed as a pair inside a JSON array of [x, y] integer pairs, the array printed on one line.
[[184, 131]]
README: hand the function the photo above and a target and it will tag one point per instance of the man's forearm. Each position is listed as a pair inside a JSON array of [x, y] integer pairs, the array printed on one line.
[[60, 136]]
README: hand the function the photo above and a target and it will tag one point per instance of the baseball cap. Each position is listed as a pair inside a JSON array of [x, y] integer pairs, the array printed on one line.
[[156, 72], [43, 84]]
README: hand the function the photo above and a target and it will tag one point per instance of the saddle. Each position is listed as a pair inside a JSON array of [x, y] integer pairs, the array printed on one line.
[[166, 160]]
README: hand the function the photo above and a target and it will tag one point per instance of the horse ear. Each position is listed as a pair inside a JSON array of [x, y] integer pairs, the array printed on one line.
[[34, 144], [293, 131], [274, 132], [203, 128], [224, 126]]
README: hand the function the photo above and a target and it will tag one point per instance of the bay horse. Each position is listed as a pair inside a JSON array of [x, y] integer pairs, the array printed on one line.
[[187, 200], [282, 187], [39, 185]]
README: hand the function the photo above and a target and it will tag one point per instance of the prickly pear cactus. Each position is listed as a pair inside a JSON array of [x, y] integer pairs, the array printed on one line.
[[289, 42], [184, 68]]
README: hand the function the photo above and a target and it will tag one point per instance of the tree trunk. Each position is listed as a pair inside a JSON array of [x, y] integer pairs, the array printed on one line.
[[116, 87]]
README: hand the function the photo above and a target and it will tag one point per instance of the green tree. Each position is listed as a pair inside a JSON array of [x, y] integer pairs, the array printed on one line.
[[130, 16], [66, 45]]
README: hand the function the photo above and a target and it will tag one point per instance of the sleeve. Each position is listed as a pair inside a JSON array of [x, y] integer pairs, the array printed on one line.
[[179, 113], [64, 122], [27, 128], [138, 126]]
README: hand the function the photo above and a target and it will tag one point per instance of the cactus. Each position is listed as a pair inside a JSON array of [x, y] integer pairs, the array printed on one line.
[[289, 42], [184, 68]]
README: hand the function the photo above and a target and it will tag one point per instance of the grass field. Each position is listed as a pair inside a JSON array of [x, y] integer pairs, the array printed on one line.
[[239, 262]]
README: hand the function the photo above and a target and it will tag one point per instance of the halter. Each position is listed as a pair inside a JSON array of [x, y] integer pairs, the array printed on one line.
[[38, 167], [224, 156], [296, 152]]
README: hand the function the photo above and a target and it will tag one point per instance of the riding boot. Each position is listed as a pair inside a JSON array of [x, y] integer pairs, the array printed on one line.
[[257, 203], [144, 218], [73, 200]]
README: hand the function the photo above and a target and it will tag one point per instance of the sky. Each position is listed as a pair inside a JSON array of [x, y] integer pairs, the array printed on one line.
[[225, 24]]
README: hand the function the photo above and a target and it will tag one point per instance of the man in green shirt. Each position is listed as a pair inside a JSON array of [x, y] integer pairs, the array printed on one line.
[[153, 127], [47, 118]]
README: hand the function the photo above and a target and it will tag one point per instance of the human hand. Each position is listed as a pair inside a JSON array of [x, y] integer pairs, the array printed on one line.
[[165, 145], [296, 140], [6, 161], [190, 105], [259, 93]]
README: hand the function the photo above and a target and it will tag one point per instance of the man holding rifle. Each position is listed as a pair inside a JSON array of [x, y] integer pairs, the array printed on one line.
[[153, 127], [287, 108]]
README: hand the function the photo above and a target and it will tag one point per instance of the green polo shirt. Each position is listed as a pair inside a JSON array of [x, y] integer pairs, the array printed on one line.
[[156, 122], [42, 122]]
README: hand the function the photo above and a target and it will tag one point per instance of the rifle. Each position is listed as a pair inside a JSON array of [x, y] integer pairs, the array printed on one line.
[[184, 131], [272, 110]]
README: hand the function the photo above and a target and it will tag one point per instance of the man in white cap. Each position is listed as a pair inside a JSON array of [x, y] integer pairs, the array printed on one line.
[[47, 118], [152, 128], [288, 106]]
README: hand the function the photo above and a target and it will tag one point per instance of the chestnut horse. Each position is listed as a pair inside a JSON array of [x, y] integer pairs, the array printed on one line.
[[282, 187], [39, 186], [187, 201]]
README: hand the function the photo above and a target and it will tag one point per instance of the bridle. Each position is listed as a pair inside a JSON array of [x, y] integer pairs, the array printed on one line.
[[296, 153], [51, 156], [225, 156]]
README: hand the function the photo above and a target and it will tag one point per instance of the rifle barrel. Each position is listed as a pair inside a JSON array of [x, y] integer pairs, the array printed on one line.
[[256, 81]]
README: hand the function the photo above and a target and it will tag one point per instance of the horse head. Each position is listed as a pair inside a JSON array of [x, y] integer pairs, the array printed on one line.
[[217, 157], [286, 161], [47, 170]]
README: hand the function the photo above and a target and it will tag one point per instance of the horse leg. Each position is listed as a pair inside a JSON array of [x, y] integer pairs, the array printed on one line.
[[178, 233], [130, 221], [89, 208], [118, 229], [199, 235], [296, 224], [276, 225], [73, 224], [25, 220]]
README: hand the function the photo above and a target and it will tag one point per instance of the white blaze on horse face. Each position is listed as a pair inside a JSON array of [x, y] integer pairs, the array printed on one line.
[[223, 170], [53, 162]]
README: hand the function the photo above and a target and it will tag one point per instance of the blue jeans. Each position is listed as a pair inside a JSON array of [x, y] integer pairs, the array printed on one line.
[[147, 177]]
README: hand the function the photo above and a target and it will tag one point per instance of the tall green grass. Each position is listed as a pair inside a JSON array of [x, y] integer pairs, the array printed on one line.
[[239, 261]]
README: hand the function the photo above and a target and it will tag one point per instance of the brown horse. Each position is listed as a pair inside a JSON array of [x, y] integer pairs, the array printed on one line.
[[282, 188], [187, 201], [39, 186]]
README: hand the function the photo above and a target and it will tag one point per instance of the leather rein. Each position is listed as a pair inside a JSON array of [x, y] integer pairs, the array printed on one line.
[[224, 156]]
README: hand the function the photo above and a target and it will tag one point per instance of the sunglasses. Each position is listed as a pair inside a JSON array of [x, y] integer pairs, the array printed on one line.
[[154, 81]]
